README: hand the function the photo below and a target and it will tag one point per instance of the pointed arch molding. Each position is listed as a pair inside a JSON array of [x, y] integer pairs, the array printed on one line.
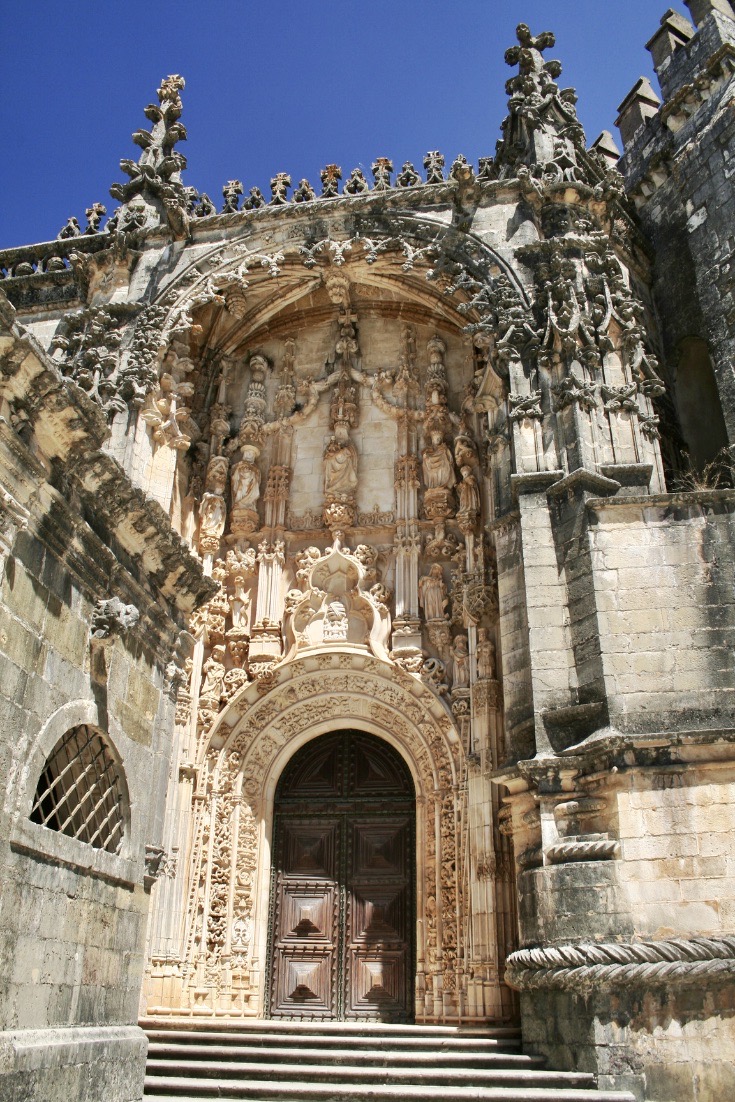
[[248, 748]]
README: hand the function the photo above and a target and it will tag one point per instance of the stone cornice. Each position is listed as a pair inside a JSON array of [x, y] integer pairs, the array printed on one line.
[[610, 750]]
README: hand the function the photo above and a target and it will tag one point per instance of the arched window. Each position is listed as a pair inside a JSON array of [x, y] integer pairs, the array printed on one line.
[[698, 403], [79, 791]]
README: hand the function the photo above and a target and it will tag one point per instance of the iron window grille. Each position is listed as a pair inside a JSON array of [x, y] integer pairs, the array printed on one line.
[[79, 792]]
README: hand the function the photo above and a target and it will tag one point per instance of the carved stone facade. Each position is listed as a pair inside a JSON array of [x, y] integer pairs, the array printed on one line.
[[423, 438]]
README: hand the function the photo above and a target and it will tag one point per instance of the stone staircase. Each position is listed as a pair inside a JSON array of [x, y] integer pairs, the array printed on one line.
[[274, 1061]]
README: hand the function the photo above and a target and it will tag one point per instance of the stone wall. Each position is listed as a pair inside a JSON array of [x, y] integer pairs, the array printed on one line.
[[623, 820], [84, 645], [665, 609], [678, 171]]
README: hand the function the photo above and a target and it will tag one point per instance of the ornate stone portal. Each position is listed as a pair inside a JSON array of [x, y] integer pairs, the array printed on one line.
[[358, 590], [226, 929], [415, 435]]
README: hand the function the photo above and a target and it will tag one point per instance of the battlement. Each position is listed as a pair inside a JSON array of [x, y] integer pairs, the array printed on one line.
[[693, 63]]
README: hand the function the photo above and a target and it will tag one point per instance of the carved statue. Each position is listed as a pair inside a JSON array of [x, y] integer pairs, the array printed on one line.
[[246, 479], [460, 663], [111, 618], [212, 517], [469, 496], [214, 675], [433, 593], [239, 603], [485, 655], [437, 464], [340, 468], [335, 621], [212, 510]]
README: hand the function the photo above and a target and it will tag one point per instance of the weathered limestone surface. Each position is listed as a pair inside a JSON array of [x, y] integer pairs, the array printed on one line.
[[677, 168], [401, 457], [72, 917]]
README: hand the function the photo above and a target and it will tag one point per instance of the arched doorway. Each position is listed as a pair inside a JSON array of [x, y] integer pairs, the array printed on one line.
[[343, 883]]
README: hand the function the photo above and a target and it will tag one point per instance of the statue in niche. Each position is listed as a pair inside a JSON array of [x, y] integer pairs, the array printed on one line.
[[239, 603], [460, 663], [245, 492], [246, 479], [335, 622], [213, 672], [212, 517], [212, 511], [485, 655], [469, 496], [433, 593], [437, 464], [340, 466]]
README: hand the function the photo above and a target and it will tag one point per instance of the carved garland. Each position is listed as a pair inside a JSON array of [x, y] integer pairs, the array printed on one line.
[[588, 967]]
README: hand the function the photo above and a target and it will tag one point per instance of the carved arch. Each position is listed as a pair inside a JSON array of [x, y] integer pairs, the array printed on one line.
[[248, 749], [390, 239]]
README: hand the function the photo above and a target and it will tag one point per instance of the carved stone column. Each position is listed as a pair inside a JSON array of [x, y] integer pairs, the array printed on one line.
[[265, 638]]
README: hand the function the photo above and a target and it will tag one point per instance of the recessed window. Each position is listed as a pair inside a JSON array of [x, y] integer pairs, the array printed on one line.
[[79, 791]]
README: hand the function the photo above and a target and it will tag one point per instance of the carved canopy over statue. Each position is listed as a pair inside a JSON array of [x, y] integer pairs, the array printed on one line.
[[341, 602]]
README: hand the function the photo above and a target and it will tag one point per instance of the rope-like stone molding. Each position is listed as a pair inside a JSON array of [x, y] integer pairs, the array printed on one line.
[[606, 849], [585, 967]]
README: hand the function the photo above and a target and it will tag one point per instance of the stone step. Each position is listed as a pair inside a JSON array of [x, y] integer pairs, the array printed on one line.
[[329, 1042], [176, 1089], [247, 1026], [240, 1071], [274, 1061], [423, 1057]]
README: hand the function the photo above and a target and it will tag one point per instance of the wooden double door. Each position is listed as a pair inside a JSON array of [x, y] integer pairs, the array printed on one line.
[[342, 886]]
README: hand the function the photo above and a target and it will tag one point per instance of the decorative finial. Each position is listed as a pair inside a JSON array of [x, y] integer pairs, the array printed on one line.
[[231, 193], [542, 133], [154, 193]]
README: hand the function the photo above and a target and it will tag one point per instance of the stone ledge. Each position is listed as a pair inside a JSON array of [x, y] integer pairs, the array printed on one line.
[[59, 849], [682, 500], [34, 1049]]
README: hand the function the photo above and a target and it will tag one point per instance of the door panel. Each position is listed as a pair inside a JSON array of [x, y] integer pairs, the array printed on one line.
[[310, 848], [376, 983], [304, 985], [378, 928], [343, 884], [306, 918]]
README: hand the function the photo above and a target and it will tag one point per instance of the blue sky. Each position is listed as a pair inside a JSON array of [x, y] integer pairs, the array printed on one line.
[[286, 86]]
